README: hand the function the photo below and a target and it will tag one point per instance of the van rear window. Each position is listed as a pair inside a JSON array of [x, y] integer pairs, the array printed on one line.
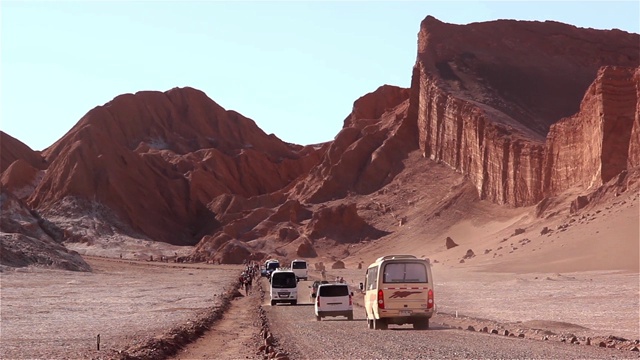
[[405, 273], [299, 265], [330, 291]]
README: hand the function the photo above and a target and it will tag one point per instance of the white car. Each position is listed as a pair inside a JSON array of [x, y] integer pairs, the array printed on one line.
[[333, 300]]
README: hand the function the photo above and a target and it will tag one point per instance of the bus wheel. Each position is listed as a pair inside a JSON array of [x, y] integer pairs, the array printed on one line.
[[421, 324], [379, 324]]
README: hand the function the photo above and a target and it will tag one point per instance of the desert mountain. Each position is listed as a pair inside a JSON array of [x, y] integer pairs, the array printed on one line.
[[512, 112], [12, 149]]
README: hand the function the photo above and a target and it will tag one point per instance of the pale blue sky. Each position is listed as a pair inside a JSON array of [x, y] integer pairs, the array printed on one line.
[[294, 67]]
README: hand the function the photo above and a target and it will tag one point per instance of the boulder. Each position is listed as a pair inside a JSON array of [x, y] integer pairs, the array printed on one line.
[[306, 250], [449, 243], [469, 254]]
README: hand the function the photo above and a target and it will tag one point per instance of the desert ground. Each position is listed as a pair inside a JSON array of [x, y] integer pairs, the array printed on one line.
[[580, 279]]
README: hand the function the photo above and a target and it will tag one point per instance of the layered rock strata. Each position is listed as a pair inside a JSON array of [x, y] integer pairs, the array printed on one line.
[[484, 104]]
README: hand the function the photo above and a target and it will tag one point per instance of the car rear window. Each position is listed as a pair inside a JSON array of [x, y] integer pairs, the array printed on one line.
[[408, 272], [333, 290]]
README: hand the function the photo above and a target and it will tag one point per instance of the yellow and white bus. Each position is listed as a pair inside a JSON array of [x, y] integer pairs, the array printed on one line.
[[399, 290]]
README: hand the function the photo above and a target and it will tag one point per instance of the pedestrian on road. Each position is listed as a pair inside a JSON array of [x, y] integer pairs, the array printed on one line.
[[247, 285]]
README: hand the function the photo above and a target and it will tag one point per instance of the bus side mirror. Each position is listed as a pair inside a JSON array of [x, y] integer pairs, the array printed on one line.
[[361, 286]]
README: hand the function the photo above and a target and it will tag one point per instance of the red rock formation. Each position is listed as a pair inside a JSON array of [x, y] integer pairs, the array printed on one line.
[[306, 250], [157, 159], [373, 105], [233, 252], [342, 224], [27, 239], [634, 141], [593, 146], [366, 153], [485, 94], [20, 178], [12, 149]]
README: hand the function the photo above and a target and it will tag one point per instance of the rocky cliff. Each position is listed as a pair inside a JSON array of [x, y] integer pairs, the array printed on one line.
[[599, 142], [634, 142], [484, 102], [366, 153]]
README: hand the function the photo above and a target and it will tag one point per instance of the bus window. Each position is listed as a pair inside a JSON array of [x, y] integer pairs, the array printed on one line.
[[405, 273]]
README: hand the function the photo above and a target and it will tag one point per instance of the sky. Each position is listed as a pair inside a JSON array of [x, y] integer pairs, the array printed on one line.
[[294, 67]]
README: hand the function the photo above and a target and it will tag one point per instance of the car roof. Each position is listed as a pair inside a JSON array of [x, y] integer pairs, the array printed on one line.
[[283, 270], [334, 284]]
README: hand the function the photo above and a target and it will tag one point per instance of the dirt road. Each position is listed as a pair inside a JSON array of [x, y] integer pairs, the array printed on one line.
[[337, 338]]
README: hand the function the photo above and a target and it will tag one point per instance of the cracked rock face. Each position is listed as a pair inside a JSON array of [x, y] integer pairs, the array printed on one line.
[[485, 103]]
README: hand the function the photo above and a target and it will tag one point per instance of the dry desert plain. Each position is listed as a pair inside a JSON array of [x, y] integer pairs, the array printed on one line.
[[131, 304]]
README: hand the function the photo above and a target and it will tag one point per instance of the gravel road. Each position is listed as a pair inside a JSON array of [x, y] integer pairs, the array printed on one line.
[[303, 337]]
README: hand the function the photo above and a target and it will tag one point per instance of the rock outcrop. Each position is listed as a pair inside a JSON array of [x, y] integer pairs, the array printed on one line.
[[20, 178], [601, 140], [484, 102], [342, 224], [12, 149], [26, 239], [366, 154]]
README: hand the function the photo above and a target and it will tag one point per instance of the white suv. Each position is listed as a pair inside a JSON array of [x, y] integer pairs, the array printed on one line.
[[333, 300]]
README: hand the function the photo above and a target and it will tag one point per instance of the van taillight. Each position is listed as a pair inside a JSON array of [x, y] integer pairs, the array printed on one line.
[[318, 300], [350, 301], [380, 299], [430, 299]]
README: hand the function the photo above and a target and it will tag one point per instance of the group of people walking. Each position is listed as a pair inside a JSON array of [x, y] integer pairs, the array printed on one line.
[[246, 277]]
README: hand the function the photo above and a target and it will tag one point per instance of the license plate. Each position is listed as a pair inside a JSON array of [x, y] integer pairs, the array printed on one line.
[[405, 312]]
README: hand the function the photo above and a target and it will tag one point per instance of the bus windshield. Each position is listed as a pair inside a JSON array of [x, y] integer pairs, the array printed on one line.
[[283, 280]]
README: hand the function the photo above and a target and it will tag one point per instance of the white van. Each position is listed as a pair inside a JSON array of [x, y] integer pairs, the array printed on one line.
[[333, 300], [284, 287], [300, 268], [399, 290]]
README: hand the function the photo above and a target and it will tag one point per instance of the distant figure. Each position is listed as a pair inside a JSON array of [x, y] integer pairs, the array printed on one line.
[[324, 275], [247, 285], [341, 281]]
